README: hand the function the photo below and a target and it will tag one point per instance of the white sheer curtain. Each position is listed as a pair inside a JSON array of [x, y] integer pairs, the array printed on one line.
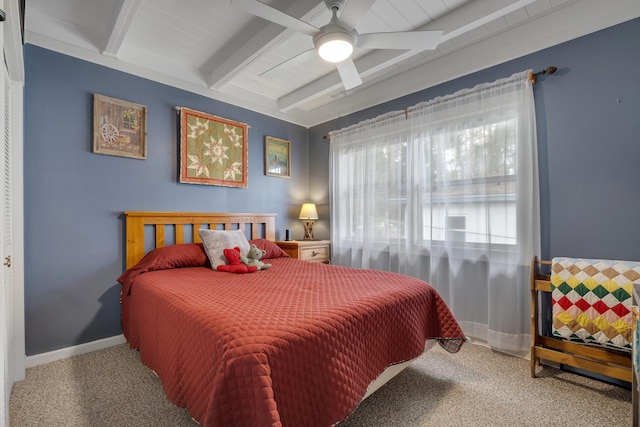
[[447, 191]]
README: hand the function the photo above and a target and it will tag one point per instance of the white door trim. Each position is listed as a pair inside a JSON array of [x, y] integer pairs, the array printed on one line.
[[13, 52]]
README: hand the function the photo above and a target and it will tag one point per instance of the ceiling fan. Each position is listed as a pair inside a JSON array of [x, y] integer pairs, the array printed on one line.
[[335, 41]]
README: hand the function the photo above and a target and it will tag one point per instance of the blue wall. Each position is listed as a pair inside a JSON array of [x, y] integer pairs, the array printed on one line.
[[588, 122], [74, 198], [588, 117]]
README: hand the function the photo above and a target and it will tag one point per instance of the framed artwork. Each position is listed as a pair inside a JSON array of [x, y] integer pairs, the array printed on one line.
[[119, 127], [213, 150], [277, 157]]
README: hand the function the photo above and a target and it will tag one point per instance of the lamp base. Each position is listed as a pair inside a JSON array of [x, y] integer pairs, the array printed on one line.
[[308, 230]]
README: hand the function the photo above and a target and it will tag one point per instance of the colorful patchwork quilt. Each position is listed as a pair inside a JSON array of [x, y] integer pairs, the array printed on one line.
[[592, 301]]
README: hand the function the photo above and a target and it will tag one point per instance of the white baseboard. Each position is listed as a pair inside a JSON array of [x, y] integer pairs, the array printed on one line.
[[65, 353]]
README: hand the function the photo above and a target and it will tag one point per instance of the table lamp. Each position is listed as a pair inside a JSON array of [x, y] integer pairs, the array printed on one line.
[[308, 214]]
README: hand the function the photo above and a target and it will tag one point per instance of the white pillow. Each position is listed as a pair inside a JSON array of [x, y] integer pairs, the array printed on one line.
[[216, 241]]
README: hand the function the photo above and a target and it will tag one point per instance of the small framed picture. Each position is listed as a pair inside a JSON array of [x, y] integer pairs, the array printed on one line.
[[119, 127], [277, 157]]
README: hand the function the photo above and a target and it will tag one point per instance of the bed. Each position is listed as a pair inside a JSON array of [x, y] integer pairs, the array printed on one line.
[[298, 344]]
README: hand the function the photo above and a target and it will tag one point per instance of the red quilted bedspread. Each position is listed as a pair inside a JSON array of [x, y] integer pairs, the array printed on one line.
[[295, 345]]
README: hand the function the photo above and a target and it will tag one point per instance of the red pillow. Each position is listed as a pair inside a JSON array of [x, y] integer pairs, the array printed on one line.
[[271, 249], [165, 258]]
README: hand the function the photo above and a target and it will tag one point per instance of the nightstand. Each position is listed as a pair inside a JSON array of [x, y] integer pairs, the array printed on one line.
[[307, 250]]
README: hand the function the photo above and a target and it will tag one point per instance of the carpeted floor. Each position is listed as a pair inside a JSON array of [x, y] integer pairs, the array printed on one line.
[[476, 387]]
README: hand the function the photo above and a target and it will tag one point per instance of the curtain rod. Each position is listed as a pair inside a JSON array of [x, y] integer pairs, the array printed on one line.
[[548, 70], [532, 78]]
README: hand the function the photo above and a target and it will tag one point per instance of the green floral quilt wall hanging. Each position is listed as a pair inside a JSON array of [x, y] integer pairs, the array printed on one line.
[[213, 150]]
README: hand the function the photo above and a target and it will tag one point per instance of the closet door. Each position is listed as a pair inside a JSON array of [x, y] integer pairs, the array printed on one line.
[[12, 356], [6, 296]]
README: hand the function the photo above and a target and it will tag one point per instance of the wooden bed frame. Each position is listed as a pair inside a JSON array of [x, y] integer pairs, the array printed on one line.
[[255, 226], [260, 226], [608, 362]]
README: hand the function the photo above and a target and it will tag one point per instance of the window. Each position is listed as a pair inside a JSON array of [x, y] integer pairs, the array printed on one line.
[[468, 170], [447, 192]]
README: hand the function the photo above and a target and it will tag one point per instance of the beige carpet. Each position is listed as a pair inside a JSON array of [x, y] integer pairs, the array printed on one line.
[[476, 387]]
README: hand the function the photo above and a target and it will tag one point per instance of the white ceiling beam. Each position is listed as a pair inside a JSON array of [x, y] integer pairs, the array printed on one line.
[[266, 39], [454, 24], [366, 65], [474, 9], [120, 26]]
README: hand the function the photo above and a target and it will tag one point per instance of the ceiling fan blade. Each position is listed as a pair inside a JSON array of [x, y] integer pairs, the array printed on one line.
[[405, 40], [349, 74], [353, 11], [269, 13], [290, 63]]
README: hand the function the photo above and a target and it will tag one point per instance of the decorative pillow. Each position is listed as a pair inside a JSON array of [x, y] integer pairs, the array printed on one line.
[[271, 249], [216, 241]]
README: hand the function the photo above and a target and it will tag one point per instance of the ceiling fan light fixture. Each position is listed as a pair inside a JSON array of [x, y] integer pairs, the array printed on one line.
[[335, 46]]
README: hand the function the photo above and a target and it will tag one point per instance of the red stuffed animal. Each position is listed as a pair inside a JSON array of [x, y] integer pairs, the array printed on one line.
[[234, 264]]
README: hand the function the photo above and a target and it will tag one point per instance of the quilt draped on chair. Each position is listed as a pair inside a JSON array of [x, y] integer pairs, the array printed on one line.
[[592, 301]]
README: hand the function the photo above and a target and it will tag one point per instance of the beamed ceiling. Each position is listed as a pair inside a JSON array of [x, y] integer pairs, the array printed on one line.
[[217, 49]]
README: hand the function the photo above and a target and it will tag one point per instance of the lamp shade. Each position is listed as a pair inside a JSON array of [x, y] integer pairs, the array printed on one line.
[[335, 50], [308, 211], [334, 43]]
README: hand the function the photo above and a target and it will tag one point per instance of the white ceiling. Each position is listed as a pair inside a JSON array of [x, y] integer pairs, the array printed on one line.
[[213, 48]]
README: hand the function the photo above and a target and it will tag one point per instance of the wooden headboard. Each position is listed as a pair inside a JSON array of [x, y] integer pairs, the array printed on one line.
[[260, 226]]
